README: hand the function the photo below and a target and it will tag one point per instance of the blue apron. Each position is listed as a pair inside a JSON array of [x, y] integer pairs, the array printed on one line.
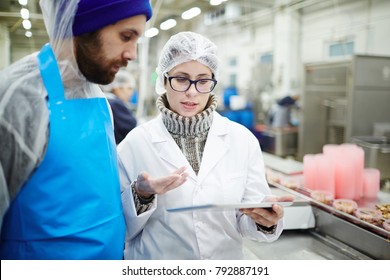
[[71, 206]]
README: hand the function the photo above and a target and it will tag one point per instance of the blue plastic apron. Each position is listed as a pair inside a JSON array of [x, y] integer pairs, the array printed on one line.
[[71, 207]]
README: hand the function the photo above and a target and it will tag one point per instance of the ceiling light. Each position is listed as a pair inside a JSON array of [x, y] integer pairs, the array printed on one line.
[[26, 24], [151, 32], [23, 2], [215, 2], [168, 24], [28, 34], [25, 13], [189, 14]]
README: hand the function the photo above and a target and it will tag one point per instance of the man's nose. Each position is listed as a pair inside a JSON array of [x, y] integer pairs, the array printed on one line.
[[130, 52]]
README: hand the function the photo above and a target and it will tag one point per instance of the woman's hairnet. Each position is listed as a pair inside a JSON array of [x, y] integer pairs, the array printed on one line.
[[122, 78], [184, 47]]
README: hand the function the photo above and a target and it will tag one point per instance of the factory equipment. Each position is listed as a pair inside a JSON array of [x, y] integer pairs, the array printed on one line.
[[354, 235], [281, 142], [343, 99], [377, 154]]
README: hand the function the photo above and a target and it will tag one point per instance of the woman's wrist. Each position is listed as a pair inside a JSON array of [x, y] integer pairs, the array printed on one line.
[[143, 196], [267, 230], [141, 205]]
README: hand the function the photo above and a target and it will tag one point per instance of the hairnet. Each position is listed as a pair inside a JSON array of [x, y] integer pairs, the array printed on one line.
[[184, 47], [122, 78]]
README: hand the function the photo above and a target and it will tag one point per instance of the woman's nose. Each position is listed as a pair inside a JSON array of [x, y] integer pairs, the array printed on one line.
[[192, 90]]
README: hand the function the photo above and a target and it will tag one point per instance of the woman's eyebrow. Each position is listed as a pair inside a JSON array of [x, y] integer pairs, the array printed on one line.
[[187, 74]]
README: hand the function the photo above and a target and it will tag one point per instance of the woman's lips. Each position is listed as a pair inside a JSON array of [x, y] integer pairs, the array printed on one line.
[[189, 105]]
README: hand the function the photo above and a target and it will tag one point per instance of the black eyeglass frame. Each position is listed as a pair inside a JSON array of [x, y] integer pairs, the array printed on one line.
[[169, 78]]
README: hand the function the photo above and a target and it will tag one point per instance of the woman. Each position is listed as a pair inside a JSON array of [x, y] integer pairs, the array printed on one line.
[[223, 161]]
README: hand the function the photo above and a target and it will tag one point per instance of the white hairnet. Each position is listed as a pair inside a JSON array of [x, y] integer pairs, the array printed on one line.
[[122, 79], [184, 47]]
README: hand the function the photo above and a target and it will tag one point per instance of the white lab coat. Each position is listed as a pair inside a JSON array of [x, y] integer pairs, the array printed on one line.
[[232, 171]]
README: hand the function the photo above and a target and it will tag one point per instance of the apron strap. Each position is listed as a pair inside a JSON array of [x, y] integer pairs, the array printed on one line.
[[50, 73]]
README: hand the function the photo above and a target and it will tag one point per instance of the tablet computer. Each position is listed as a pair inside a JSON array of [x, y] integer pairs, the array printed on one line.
[[267, 204]]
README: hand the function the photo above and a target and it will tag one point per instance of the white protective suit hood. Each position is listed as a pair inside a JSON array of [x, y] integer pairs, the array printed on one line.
[[59, 16], [24, 116]]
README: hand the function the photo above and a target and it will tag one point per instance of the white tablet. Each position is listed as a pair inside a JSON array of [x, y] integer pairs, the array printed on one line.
[[267, 204]]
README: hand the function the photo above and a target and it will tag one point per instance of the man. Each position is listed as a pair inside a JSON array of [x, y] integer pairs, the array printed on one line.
[[59, 186], [280, 114]]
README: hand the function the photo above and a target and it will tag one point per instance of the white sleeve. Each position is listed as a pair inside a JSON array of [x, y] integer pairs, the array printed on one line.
[[134, 223], [256, 186], [249, 230]]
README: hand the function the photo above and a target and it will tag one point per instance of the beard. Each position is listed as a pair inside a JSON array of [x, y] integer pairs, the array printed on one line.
[[91, 60]]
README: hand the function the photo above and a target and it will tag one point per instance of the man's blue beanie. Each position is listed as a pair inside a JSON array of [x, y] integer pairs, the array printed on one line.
[[93, 15], [286, 101]]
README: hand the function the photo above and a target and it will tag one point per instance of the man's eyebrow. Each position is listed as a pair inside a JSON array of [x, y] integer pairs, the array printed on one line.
[[132, 30]]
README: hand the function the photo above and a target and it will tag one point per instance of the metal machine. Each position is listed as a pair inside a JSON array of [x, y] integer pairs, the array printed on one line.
[[342, 100]]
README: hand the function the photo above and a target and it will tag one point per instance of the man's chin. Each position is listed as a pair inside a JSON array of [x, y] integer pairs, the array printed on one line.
[[101, 79]]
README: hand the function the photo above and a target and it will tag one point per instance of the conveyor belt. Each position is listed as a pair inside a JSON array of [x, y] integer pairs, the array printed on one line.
[[348, 231]]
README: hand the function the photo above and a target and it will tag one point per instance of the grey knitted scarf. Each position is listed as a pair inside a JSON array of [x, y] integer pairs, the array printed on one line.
[[190, 133]]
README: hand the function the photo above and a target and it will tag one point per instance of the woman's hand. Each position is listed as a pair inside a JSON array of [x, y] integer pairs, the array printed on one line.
[[268, 217], [146, 186]]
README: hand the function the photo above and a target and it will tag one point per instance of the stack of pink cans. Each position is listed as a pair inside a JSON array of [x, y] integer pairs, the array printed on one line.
[[339, 170]]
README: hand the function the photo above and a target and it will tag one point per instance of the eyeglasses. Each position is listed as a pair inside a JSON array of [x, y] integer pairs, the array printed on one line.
[[182, 84]]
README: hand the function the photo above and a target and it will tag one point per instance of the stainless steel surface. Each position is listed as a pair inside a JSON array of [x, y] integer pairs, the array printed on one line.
[[336, 112], [363, 82], [323, 82], [363, 240], [376, 153], [382, 129], [302, 245], [280, 142]]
